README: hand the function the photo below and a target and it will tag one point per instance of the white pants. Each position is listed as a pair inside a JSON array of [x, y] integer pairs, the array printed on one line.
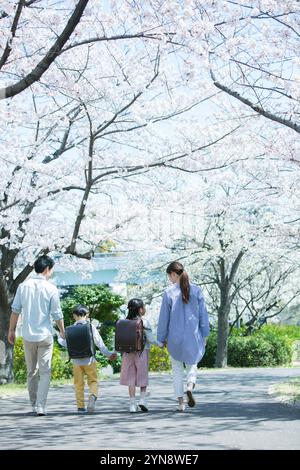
[[178, 375], [38, 356]]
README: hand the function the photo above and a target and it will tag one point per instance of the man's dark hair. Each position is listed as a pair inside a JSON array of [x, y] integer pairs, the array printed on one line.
[[43, 262]]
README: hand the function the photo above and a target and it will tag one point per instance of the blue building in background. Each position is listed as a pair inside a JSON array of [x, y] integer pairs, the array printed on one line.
[[106, 270]]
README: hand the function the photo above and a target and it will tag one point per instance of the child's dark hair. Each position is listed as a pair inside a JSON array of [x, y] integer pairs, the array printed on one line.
[[81, 311], [134, 306]]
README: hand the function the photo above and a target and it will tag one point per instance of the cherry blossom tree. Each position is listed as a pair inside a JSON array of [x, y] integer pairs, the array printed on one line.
[[254, 57], [14, 14], [105, 104], [264, 294], [237, 244], [72, 138]]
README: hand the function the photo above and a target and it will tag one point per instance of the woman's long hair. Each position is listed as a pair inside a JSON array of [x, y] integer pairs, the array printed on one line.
[[184, 282], [134, 306]]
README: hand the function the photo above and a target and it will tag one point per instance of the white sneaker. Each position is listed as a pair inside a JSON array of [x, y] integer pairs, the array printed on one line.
[[34, 410], [40, 411], [181, 407], [133, 408], [143, 404], [91, 404]]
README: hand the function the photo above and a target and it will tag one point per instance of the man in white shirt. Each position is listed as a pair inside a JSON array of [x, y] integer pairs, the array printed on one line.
[[38, 301]]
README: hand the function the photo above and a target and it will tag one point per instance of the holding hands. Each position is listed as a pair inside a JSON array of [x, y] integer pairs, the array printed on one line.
[[113, 357]]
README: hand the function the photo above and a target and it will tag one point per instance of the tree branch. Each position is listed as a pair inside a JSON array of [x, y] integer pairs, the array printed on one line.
[[235, 265], [51, 55], [111, 38], [13, 30], [256, 108]]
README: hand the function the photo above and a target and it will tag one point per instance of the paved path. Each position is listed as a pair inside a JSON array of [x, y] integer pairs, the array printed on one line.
[[233, 411]]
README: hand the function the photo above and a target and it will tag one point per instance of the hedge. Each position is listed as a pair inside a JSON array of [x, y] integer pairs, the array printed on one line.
[[271, 345], [159, 359]]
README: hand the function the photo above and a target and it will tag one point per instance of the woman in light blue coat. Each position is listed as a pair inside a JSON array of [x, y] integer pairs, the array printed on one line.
[[183, 326]]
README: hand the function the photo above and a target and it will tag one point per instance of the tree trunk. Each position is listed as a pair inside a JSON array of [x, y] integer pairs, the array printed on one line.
[[6, 368], [225, 284], [6, 350], [223, 334], [8, 287]]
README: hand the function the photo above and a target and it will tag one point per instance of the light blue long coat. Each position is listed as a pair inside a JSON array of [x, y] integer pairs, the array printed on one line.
[[183, 326]]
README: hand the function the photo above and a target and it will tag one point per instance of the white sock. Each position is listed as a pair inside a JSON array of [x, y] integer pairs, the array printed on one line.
[[143, 394], [132, 400]]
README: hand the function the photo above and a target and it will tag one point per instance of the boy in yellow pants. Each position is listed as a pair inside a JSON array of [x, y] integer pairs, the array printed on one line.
[[87, 366]]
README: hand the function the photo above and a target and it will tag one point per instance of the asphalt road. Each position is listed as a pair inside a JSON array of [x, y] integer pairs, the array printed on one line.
[[233, 411]]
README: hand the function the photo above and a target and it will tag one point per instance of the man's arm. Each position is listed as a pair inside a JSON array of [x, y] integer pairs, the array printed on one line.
[[56, 313], [61, 327], [16, 310], [12, 327]]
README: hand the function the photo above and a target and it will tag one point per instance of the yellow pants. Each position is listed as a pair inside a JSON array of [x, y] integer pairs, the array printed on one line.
[[79, 373]]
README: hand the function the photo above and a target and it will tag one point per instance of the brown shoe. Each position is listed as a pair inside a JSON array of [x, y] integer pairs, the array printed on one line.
[[190, 399]]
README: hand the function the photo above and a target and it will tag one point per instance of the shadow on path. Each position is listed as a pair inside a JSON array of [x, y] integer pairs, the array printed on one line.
[[233, 411]]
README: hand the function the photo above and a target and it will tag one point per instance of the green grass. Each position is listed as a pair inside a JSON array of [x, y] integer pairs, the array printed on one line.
[[287, 392], [10, 390]]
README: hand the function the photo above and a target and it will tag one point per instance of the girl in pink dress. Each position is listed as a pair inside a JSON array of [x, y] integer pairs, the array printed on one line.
[[135, 365]]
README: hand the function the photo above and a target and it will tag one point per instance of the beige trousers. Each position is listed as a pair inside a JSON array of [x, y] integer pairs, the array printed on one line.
[[38, 356]]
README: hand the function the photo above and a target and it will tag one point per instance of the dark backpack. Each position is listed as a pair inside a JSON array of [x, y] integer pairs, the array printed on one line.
[[80, 341], [129, 336]]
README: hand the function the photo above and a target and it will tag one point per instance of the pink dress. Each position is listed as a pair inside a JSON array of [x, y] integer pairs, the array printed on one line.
[[134, 370]]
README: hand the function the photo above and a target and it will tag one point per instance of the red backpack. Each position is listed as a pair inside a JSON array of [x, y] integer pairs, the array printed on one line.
[[129, 336]]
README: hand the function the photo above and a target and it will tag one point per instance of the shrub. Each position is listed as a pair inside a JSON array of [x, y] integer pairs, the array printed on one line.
[[159, 359], [291, 332], [61, 369], [102, 303], [102, 360], [116, 365], [271, 345], [208, 359], [249, 352], [281, 338], [242, 331], [19, 366]]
